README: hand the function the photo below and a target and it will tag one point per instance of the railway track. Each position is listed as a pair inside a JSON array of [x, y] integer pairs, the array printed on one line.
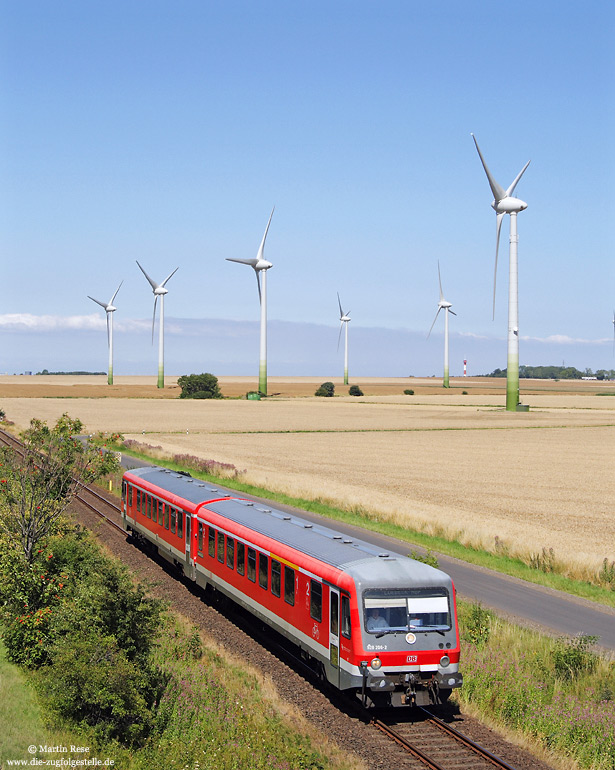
[[427, 740]]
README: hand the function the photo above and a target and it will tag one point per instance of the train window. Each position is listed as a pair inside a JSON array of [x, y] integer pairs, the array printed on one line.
[[138, 499], [180, 524], [334, 615], [346, 627], [276, 577], [156, 509], [263, 571], [316, 600], [123, 490], [149, 506], [187, 528], [220, 547], [230, 552], [289, 586], [173, 520], [252, 565], [166, 516], [200, 538], [406, 610], [241, 558], [212, 543], [130, 496]]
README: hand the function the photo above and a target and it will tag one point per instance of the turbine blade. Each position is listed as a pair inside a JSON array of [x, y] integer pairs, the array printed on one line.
[[153, 284], [339, 336], [452, 311], [258, 283], [440, 282], [116, 291], [496, 189], [154, 317], [262, 246], [511, 189], [168, 277], [250, 262], [499, 218], [98, 302], [434, 321], [339, 302]]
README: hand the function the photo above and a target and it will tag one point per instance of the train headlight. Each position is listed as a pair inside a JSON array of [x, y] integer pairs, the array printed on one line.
[[376, 663], [445, 661]]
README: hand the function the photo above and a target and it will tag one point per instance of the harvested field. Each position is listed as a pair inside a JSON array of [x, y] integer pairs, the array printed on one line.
[[439, 461]]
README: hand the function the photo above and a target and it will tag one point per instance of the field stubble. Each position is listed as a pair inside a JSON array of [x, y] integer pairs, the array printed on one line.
[[444, 463]]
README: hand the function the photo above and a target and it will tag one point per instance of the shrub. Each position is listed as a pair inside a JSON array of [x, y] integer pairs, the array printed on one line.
[[607, 573], [327, 389], [464, 392], [478, 626], [572, 657], [545, 561], [199, 386], [355, 390], [408, 392], [426, 558]]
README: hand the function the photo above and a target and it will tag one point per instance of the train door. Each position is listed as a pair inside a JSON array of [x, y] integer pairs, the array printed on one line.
[[334, 637], [188, 569]]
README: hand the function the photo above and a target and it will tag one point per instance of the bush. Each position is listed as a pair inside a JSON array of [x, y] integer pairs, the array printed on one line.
[[478, 626], [327, 389], [571, 657], [408, 392], [426, 558], [199, 386], [355, 390]]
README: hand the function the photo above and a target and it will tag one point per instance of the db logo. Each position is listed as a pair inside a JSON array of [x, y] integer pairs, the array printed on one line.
[[411, 658]]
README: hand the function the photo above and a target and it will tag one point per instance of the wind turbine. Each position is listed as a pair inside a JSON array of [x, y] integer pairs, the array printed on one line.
[[344, 321], [502, 204], [446, 306], [159, 291], [109, 310], [260, 265]]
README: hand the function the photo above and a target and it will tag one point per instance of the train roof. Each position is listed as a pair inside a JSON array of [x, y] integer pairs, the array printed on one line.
[[365, 561]]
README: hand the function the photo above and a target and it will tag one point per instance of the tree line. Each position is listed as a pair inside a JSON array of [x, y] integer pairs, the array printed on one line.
[[555, 373]]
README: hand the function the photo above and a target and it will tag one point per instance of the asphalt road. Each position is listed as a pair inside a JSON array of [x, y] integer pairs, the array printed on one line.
[[528, 604]]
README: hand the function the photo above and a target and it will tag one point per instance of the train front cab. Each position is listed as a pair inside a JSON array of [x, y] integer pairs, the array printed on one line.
[[410, 645]]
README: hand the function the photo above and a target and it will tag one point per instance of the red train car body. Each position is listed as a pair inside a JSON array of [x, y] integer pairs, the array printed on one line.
[[381, 624]]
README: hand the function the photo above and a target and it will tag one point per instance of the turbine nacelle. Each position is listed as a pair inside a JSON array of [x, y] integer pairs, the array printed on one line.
[[509, 205]]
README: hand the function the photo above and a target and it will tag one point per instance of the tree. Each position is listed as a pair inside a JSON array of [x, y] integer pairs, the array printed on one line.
[[199, 386], [327, 389], [38, 482], [355, 390]]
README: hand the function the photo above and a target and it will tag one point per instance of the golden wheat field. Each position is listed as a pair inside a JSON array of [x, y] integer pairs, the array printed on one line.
[[441, 461]]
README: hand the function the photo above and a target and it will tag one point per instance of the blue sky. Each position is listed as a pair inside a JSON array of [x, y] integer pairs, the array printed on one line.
[[166, 131]]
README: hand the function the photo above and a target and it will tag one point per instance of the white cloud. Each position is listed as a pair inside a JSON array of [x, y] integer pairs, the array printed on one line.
[[50, 323], [563, 339]]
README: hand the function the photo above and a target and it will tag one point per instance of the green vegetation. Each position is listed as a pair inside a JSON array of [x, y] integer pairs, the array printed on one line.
[[39, 483], [355, 390], [199, 386], [555, 373], [327, 389], [556, 692], [111, 667], [73, 374], [408, 392]]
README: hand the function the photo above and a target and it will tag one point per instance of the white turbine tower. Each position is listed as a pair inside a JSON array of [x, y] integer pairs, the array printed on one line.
[[446, 306], [109, 310], [261, 265], [344, 321], [159, 291], [504, 203]]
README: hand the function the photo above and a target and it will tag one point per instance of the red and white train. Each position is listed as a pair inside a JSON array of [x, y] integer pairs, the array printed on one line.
[[382, 625]]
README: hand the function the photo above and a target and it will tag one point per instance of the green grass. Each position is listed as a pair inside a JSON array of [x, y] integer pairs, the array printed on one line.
[[556, 693], [507, 565]]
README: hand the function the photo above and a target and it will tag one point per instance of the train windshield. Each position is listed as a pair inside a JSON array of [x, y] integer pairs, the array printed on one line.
[[391, 611]]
